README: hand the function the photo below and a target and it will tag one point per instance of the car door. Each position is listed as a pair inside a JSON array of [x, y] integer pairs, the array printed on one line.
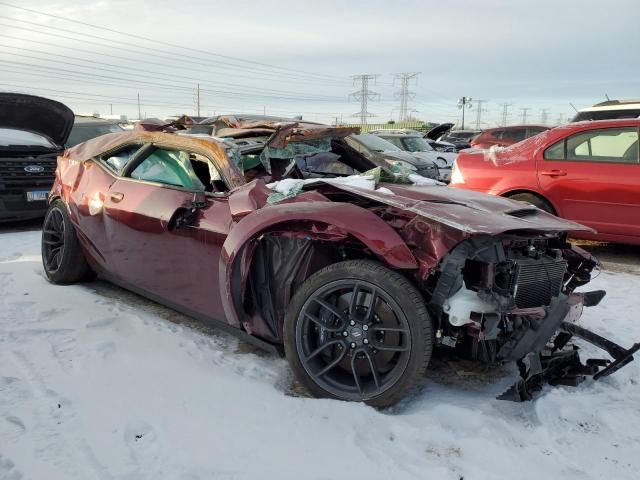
[[89, 194], [593, 177], [163, 243]]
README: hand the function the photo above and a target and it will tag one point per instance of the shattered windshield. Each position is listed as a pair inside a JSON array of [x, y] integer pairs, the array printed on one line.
[[375, 143], [417, 144]]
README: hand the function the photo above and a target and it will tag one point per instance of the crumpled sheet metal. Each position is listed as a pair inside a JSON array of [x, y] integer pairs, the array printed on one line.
[[207, 146]]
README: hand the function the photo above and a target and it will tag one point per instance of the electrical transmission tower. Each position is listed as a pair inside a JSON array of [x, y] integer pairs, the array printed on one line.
[[364, 95], [505, 112], [479, 111], [404, 94], [524, 114], [544, 115], [560, 120]]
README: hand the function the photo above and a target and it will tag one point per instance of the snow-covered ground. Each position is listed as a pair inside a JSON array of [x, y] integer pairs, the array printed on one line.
[[96, 383]]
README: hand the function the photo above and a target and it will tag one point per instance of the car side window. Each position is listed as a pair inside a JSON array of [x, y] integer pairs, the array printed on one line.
[[613, 145], [516, 134], [323, 163], [116, 161], [555, 151], [531, 131], [168, 167]]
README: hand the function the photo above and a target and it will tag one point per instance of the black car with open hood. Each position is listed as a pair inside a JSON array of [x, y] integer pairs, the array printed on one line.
[[442, 137], [33, 131]]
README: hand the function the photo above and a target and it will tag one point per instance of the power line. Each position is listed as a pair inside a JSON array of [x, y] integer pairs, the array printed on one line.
[[128, 71], [149, 101], [364, 95], [147, 51], [404, 94], [524, 114], [128, 59], [179, 85], [161, 42]]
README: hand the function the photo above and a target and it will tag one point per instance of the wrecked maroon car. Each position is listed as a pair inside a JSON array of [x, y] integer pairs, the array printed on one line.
[[354, 272]]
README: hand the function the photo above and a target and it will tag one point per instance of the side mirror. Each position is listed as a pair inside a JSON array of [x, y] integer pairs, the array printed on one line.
[[187, 215], [199, 200]]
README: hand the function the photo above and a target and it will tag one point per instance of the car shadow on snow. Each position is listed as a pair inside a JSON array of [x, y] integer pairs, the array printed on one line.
[[446, 371]]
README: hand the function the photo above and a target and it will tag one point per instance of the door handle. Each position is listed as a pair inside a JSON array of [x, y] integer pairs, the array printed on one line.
[[554, 173], [116, 196]]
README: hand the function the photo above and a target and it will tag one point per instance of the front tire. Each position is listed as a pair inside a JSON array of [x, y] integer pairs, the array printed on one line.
[[62, 257], [358, 331]]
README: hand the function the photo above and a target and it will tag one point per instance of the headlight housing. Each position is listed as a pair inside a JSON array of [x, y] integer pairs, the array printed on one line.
[[456, 174]]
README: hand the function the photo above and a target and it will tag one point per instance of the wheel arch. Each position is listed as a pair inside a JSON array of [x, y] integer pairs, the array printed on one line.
[[301, 221], [517, 191]]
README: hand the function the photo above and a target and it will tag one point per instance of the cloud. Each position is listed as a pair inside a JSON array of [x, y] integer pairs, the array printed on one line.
[[538, 54]]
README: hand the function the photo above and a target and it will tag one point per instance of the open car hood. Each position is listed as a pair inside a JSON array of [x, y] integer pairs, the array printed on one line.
[[467, 211], [40, 115], [436, 132]]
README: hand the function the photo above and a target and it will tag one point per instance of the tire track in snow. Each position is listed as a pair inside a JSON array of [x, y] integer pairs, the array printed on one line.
[[50, 410]]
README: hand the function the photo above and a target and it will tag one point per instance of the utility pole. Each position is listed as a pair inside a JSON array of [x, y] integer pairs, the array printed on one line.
[[198, 98], [479, 111], [139, 113], [544, 115], [264, 110], [364, 95], [111, 108], [505, 112], [463, 103], [404, 94], [561, 119], [524, 114]]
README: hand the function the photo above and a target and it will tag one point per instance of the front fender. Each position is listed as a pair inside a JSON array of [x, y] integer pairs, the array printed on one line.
[[356, 221]]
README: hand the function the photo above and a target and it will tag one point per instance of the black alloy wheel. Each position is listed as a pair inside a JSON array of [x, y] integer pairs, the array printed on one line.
[[361, 337], [53, 240], [62, 258]]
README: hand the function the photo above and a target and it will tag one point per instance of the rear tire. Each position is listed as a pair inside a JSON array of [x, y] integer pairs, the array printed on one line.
[[62, 257], [357, 331], [533, 199]]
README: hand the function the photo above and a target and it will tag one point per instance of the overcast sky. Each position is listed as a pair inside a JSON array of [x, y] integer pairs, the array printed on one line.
[[298, 57]]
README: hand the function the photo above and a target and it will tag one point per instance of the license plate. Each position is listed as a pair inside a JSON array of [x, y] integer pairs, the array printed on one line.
[[37, 195]]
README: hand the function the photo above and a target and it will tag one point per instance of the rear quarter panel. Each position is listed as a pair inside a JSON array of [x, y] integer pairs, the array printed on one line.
[[494, 173]]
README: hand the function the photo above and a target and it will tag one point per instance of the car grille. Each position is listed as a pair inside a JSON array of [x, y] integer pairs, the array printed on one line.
[[537, 283], [14, 178]]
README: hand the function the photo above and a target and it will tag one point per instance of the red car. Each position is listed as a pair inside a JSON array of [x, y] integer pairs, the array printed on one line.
[[506, 136], [355, 280], [588, 172]]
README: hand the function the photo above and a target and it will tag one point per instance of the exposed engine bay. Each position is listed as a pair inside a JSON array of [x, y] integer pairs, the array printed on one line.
[[502, 300]]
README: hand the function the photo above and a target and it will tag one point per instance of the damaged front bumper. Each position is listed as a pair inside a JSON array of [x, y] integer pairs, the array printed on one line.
[[561, 364]]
